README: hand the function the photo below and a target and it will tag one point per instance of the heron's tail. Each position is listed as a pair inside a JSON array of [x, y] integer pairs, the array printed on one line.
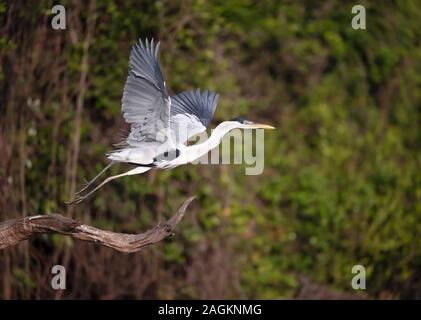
[[118, 155], [142, 156]]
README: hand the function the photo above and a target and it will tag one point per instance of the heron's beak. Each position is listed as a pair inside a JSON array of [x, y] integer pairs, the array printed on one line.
[[261, 126]]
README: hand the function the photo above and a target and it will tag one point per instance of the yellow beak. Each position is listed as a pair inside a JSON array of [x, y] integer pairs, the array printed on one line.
[[261, 126]]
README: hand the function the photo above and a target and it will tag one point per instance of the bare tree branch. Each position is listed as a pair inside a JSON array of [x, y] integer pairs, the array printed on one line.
[[16, 230]]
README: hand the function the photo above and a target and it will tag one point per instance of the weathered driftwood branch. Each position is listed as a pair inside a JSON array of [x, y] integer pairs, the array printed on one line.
[[16, 230]]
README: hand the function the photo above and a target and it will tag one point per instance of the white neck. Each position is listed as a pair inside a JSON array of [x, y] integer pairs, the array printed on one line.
[[194, 152]]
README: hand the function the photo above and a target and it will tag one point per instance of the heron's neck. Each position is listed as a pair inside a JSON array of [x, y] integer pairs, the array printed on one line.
[[214, 140]]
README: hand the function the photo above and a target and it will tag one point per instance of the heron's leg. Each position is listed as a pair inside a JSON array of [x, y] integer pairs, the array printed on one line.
[[134, 171], [88, 184]]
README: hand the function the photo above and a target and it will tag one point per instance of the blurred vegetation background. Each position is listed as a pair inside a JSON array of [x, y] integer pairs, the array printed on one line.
[[341, 184]]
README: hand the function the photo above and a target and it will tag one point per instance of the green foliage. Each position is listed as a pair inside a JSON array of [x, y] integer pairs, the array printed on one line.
[[341, 184], [23, 279]]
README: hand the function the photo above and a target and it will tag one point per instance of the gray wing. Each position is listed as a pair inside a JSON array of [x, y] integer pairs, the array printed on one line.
[[145, 103], [191, 113]]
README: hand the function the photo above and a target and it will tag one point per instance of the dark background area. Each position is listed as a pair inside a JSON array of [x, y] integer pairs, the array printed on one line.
[[341, 184]]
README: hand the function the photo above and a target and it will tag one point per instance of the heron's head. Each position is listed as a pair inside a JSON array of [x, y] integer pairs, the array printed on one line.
[[243, 123]]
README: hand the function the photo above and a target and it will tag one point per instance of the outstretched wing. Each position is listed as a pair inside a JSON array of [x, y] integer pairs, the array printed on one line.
[[146, 104], [191, 113]]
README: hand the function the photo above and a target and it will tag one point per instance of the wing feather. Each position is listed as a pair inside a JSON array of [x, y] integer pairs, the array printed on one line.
[[191, 113], [145, 103], [155, 118]]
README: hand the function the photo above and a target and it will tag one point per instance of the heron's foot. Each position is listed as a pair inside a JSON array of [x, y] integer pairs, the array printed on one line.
[[85, 186], [77, 200], [87, 183], [78, 195], [80, 198]]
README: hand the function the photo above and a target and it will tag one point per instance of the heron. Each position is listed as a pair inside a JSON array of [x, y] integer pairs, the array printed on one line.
[[160, 124]]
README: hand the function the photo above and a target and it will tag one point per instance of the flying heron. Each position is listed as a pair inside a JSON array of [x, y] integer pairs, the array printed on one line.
[[162, 124]]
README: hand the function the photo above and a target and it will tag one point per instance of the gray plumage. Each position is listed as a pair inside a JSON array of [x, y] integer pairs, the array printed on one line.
[[191, 113], [156, 118]]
